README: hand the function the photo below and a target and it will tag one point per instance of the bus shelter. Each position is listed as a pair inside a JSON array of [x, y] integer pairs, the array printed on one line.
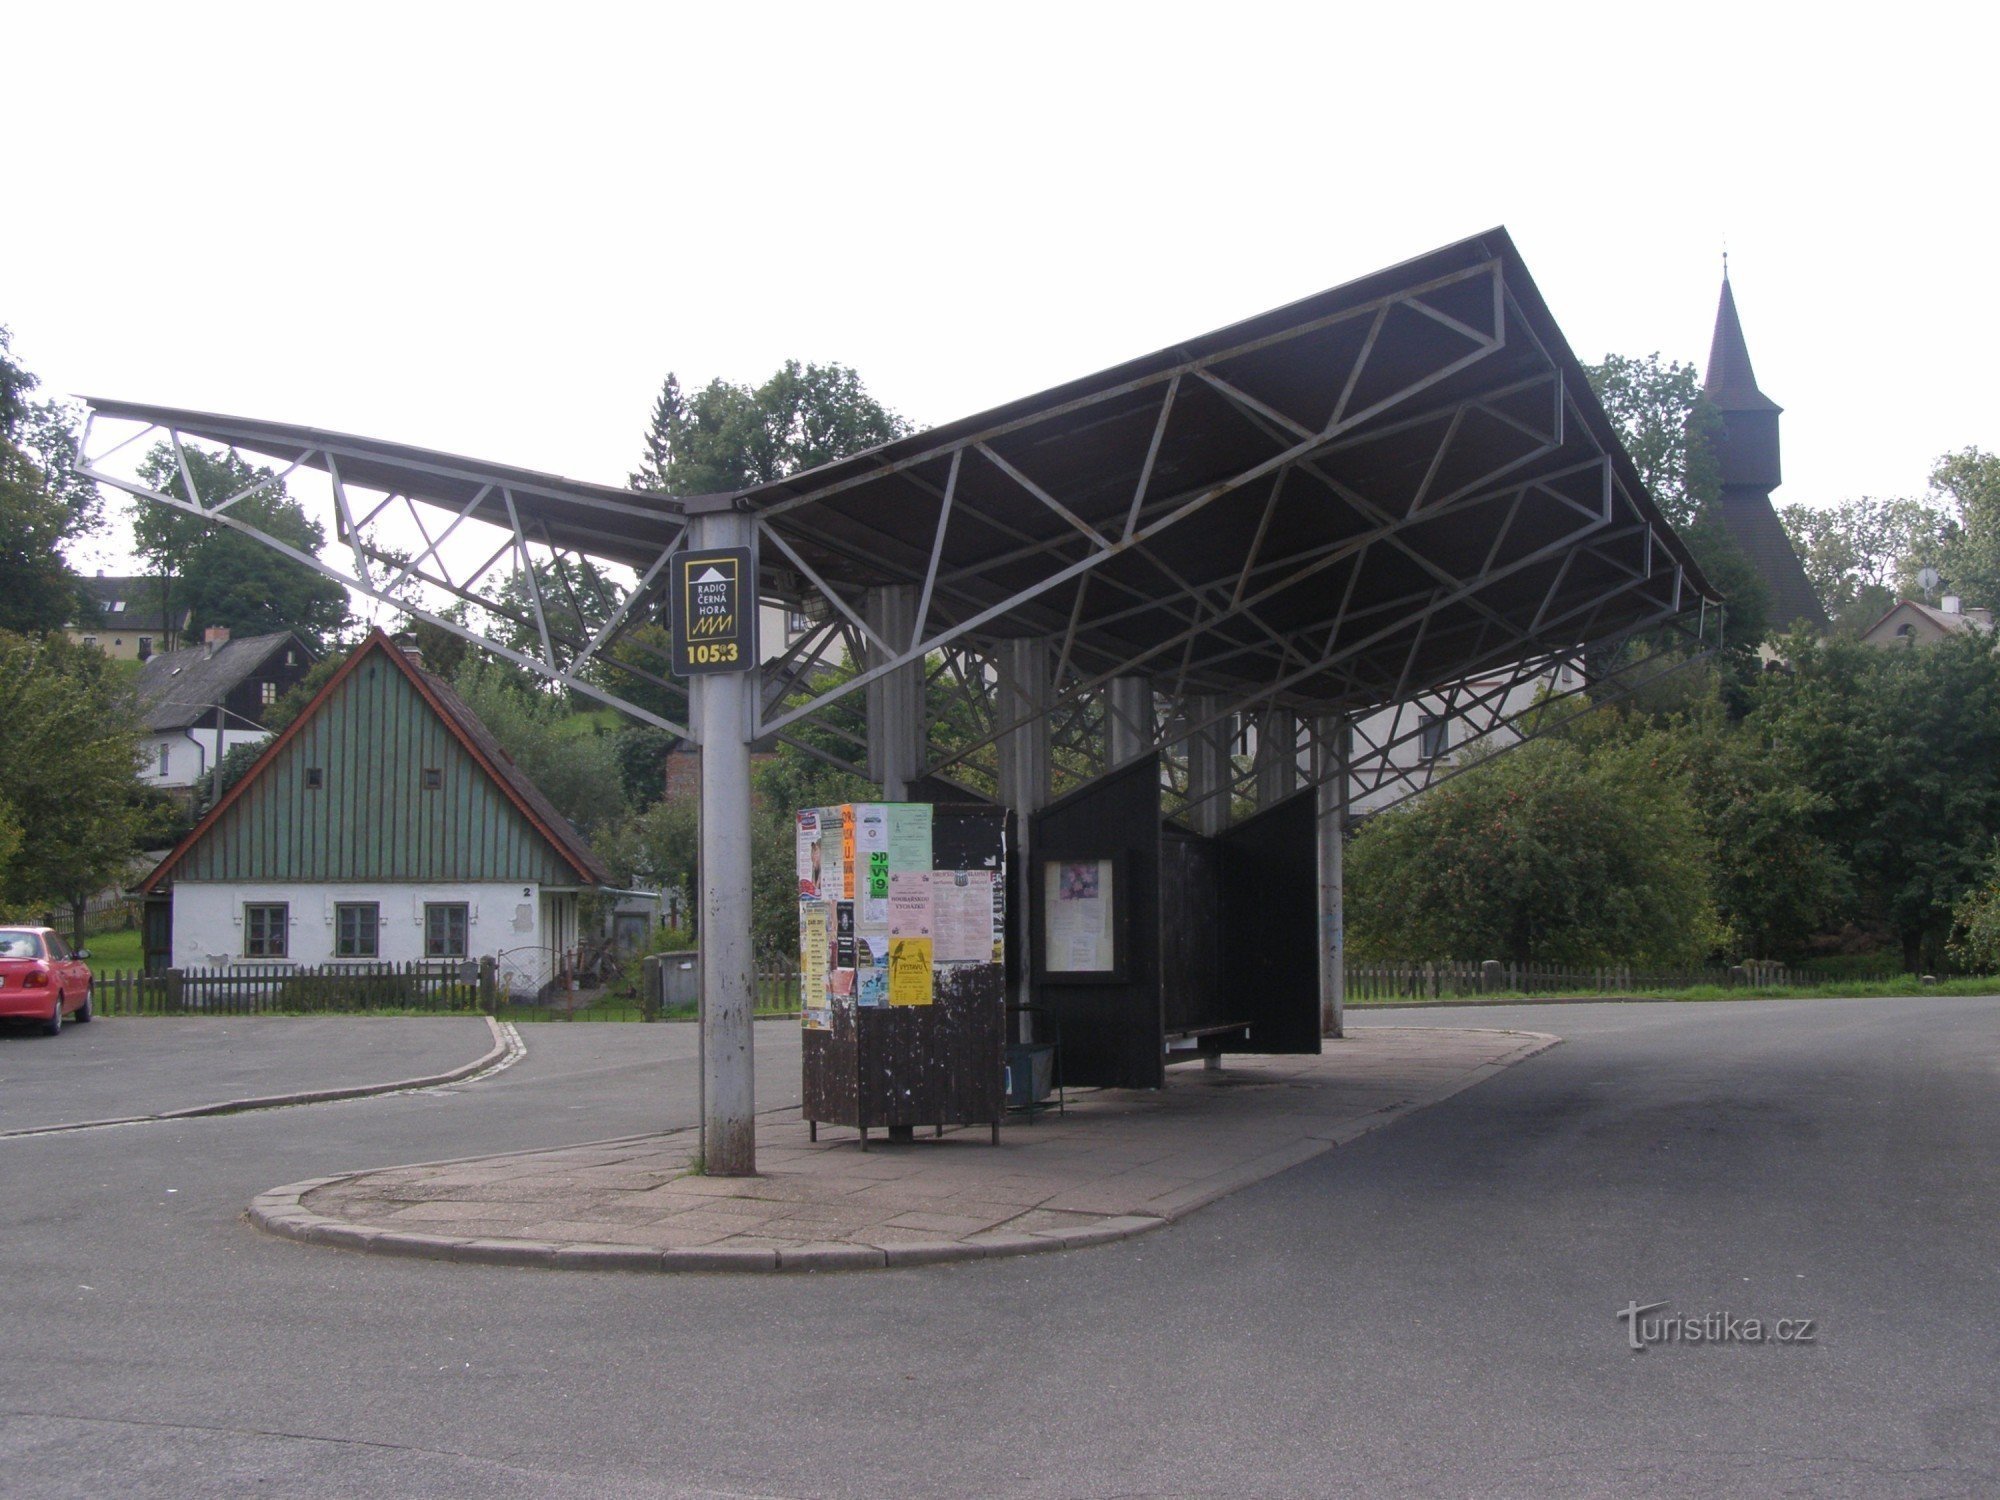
[[1142, 612]]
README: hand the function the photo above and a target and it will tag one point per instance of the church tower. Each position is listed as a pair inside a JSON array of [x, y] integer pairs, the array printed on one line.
[[1746, 449]]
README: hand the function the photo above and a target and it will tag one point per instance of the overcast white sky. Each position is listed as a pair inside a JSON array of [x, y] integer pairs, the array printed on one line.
[[492, 229]]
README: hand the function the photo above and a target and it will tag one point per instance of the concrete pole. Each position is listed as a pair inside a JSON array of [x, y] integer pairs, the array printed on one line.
[[1330, 773], [1277, 757], [1131, 715], [895, 701], [720, 709], [1208, 768], [1026, 686]]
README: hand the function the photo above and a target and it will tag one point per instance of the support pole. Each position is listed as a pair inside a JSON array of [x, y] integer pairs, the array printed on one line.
[[720, 705], [1026, 686], [895, 699], [1131, 716], [1277, 757], [1208, 768], [1330, 772]]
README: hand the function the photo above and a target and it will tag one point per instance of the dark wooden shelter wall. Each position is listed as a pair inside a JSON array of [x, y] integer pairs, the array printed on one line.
[[1270, 926], [1112, 1034], [1191, 921]]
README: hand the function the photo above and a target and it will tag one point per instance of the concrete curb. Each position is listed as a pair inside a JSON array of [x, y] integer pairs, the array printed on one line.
[[282, 1212], [507, 1048]]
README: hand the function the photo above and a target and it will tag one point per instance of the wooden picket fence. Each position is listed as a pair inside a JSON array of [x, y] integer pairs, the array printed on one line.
[[1446, 979], [243, 991]]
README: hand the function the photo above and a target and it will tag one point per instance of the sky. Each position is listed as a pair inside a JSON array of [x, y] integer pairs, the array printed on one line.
[[493, 229]]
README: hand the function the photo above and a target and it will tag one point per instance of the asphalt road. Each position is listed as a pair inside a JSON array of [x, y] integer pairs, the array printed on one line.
[[116, 1067], [1430, 1311]]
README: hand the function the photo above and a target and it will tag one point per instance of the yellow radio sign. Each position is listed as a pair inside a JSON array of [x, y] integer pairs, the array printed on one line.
[[714, 612]]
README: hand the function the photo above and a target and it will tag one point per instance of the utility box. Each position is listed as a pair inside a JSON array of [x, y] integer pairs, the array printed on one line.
[[903, 965]]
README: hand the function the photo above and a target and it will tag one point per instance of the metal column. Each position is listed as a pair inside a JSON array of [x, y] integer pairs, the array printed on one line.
[[1026, 686], [1209, 768], [1277, 757], [896, 699], [721, 712], [1330, 775], [1130, 702]]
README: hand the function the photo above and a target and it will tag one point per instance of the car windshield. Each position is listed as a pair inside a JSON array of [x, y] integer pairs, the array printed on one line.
[[17, 944]]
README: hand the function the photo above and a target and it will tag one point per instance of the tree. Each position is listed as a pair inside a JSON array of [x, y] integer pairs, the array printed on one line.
[[1669, 429], [1968, 482], [573, 758], [222, 576], [1897, 747], [730, 437], [1860, 554], [1557, 851], [44, 504], [68, 755]]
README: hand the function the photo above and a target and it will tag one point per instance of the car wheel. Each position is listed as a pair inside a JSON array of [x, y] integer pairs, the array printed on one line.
[[83, 1010], [53, 1025]]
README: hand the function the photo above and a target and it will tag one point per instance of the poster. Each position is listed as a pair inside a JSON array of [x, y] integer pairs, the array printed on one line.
[[909, 971], [909, 836], [962, 916], [843, 935], [808, 853], [1079, 937], [999, 920], [871, 978], [871, 827], [814, 935], [909, 907], [847, 852]]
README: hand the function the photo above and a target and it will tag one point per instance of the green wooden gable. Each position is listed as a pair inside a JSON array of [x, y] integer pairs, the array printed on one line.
[[342, 796]]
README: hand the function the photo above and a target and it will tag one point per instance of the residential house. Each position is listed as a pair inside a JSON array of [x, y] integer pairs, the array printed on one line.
[[198, 704], [1914, 624], [126, 618], [383, 825]]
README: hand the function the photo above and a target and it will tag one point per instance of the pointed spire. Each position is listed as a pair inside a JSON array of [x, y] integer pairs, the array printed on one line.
[[1731, 384]]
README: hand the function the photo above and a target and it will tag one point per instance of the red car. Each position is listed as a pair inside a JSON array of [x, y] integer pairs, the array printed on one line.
[[41, 980]]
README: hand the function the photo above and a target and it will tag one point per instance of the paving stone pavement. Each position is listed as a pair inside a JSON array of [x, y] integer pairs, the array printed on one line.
[[1118, 1162]]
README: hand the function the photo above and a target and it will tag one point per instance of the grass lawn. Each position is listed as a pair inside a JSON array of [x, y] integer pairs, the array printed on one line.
[[1833, 990], [112, 951]]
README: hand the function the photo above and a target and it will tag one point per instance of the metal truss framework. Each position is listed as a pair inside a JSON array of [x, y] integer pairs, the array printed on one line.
[[1418, 534], [1395, 497]]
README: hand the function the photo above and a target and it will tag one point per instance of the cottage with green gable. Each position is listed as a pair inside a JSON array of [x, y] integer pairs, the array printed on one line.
[[384, 825]]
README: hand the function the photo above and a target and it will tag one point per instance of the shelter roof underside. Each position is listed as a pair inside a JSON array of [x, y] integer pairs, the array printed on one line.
[[1393, 484]]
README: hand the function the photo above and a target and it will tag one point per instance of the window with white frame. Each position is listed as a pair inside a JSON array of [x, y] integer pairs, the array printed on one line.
[[164, 754], [267, 693], [264, 925], [357, 927]]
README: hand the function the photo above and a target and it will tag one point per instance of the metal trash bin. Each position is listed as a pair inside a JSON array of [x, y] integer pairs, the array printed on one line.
[[1030, 1070]]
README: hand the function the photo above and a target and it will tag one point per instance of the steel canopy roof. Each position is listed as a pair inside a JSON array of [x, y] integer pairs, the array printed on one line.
[[1392, 484]]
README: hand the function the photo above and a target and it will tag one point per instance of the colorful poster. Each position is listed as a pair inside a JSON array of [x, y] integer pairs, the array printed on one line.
[[814, 936], [871, 987], [910, 971], [847, 851], [1077, 897], [909, 836], [843, 935], [809, 852], [909, 906], [962, 916]]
